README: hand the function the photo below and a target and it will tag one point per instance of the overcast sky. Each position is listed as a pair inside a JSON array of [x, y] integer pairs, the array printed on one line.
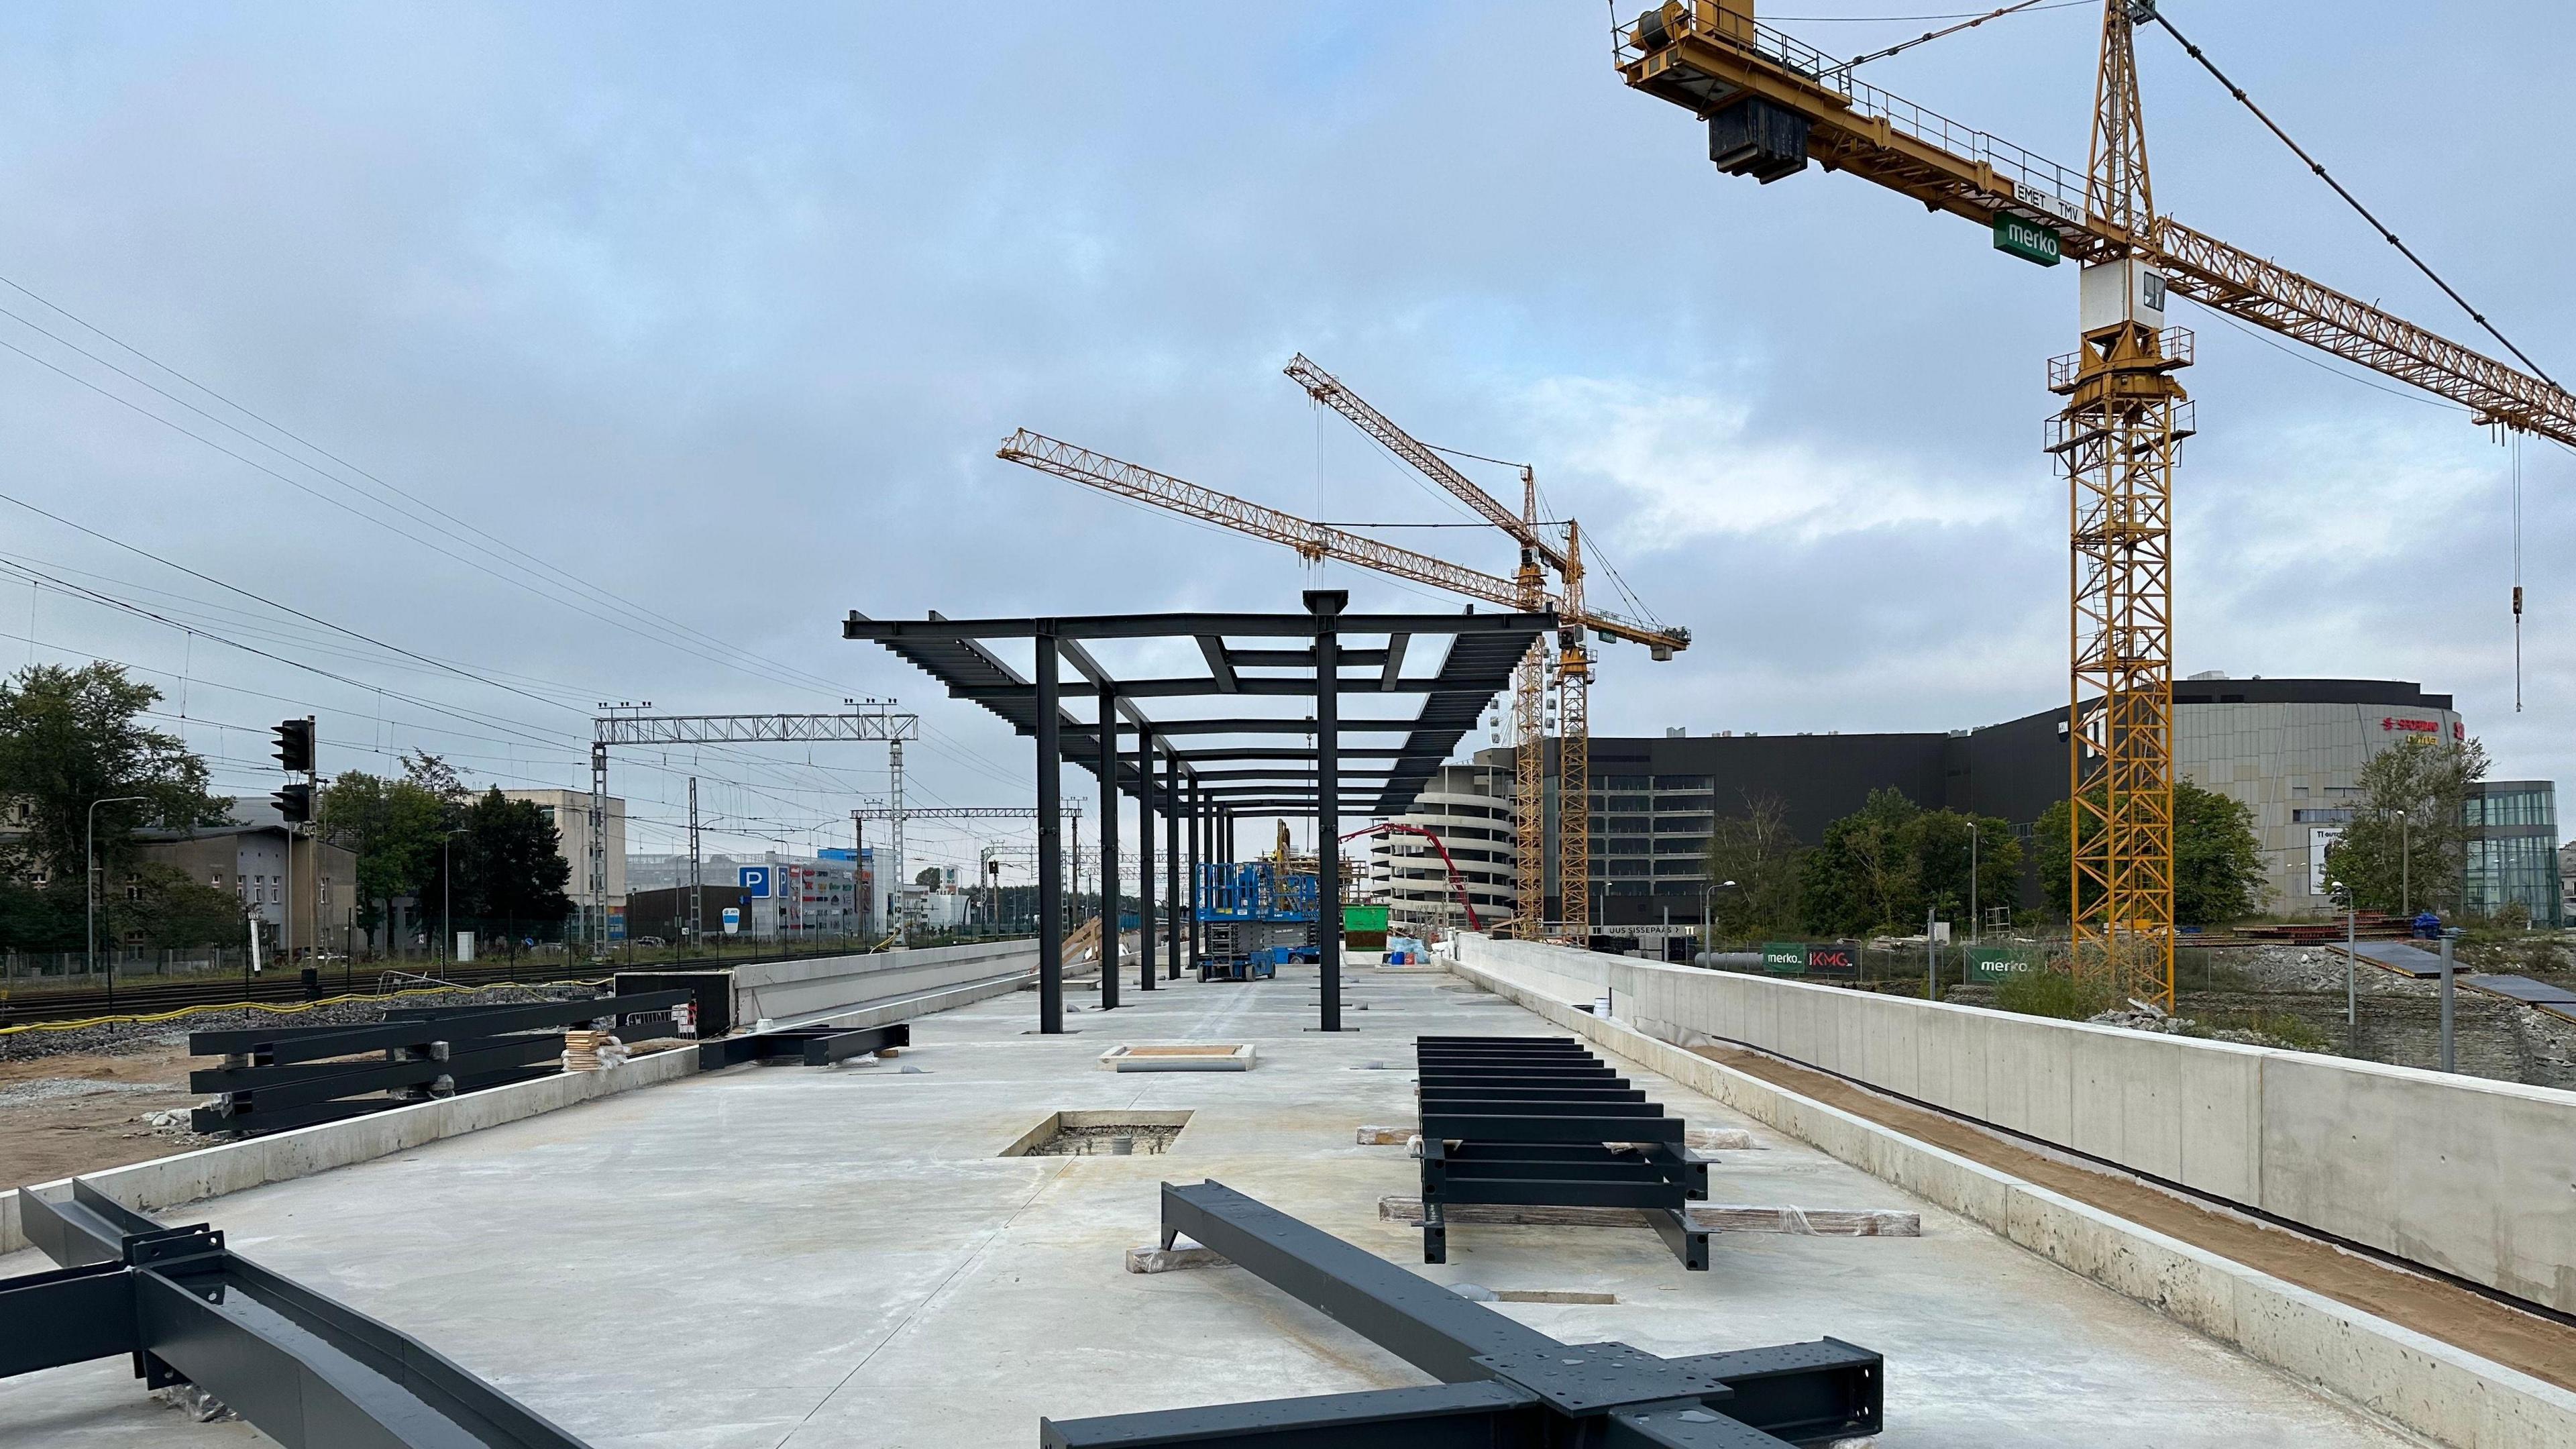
[[646, 341]]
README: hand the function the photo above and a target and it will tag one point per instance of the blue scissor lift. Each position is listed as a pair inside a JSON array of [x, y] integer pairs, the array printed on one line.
[[1255, 918]]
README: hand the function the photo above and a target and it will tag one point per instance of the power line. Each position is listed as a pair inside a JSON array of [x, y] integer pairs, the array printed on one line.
[[538, 567]]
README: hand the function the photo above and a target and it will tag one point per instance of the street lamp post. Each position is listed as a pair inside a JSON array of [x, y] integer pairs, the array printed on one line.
[[89, 882], [446, 898], [2405, 864], [1976, 926]]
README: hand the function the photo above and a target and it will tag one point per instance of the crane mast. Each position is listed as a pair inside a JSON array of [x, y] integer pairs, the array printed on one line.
[[2116, 440], [1774, 104]]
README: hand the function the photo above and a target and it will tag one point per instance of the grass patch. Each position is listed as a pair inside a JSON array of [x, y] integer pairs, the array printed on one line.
[[2052, 992]]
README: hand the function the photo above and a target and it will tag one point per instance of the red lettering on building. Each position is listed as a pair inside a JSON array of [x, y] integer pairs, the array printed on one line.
[[2412, 726]]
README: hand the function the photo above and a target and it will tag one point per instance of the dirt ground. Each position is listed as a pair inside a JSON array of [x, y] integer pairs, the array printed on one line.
[[2537, 1346], [79, 1112]]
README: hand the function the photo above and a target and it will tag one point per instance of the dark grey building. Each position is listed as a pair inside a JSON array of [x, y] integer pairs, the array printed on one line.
[[2290, 749]]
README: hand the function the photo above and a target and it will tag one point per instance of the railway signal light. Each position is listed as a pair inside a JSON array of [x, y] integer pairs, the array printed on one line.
[[295, 746], [294, 803]]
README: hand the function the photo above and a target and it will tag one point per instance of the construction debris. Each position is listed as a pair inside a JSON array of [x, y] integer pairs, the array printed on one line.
[[588, 1051]]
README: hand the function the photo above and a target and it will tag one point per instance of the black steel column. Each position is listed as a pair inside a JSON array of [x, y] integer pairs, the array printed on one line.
[[1324, 604], [1108, 849], [1050, 846], [1145, 969], [1172, 862], [1198, 834]]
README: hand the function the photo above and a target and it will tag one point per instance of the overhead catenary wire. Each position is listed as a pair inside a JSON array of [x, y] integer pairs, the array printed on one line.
[[663, 628], [2350, 200], [540, 568]]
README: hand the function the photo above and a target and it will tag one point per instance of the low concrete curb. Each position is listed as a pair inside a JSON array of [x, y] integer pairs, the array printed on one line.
[[214, 1171], [2420, 1383]]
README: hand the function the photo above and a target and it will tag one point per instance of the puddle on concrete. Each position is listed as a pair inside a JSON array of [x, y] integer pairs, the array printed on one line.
[[1100, 1134]]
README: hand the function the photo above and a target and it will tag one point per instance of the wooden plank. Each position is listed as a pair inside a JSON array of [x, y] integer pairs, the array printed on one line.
[[1703, 1217]]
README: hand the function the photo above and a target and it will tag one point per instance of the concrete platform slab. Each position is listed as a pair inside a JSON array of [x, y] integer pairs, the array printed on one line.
[[815, 1259]]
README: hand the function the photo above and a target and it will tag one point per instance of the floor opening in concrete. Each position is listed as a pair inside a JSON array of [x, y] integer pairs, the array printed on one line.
[[1100, 1134]]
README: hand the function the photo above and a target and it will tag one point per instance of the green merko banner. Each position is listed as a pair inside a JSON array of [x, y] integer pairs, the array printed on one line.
[[1784, 958], [1996, 964]]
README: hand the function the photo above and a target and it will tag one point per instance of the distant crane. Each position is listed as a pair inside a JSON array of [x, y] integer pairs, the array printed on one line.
[[1317, 541], [1772, 103], [1573, 665]]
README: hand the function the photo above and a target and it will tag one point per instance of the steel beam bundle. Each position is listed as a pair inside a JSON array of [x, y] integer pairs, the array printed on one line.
[[276, 1077], [1502, 1385], [815, 1046], [1540, 1122], [306, 1371]]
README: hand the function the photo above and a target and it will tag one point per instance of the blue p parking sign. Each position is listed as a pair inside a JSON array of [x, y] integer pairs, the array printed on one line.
[[755, 882]]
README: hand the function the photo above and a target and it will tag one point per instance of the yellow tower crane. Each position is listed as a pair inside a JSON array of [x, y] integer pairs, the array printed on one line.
[[1315, 542], [1772, 104], [1571, 666]]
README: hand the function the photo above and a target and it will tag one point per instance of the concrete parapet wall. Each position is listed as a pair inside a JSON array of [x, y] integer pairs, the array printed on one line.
[[783, 989], [2473, 1177], [214, 1171], [2423, 1384]]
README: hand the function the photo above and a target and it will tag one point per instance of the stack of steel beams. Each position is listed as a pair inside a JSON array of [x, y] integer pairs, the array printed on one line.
[[1541, 1122]]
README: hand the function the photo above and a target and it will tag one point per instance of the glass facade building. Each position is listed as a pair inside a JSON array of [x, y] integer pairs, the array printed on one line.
[[2513, 851]]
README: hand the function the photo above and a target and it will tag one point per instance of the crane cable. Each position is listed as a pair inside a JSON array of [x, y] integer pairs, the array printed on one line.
[[2156, 14], [1906, 45], [2517, 573]]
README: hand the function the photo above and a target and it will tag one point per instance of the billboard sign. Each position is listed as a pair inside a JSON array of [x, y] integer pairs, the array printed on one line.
[[733, 920], [2320, 838], [1995, 965], [1798, 958]]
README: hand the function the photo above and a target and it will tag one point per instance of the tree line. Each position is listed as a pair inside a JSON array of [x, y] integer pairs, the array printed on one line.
[[78, 749], [1888, 865]]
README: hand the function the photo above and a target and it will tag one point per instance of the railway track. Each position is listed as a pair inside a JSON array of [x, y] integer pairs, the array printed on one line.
[[19, 1007], [272, 987]]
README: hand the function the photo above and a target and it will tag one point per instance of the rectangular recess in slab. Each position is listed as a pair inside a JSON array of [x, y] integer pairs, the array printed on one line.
[[1146, 1132]]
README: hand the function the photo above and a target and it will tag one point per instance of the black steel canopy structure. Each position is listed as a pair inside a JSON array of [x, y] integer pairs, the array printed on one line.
[[1213, 767]]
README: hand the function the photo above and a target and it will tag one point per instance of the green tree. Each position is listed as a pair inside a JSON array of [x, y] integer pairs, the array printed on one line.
[[70, 737], [1891, 861], [1863, 874], [510, 867], [2218, 863], [395, 828], [1758, 853], [1947, 845], [2407, 845]]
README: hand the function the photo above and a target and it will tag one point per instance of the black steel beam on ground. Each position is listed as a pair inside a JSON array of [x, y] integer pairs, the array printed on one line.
[[66, 1316], [282, 1047], [307, 1372], [815, 1046], [1522, 1122], [1505, 1386]]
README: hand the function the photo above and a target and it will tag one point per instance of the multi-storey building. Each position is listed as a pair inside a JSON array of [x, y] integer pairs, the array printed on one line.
[[1470, 808], [2291, 750]]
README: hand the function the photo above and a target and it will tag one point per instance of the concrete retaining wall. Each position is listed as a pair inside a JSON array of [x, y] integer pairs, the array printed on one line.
[[2429, 1387], [783, 989], [213, 1171], [2473, 1177]]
